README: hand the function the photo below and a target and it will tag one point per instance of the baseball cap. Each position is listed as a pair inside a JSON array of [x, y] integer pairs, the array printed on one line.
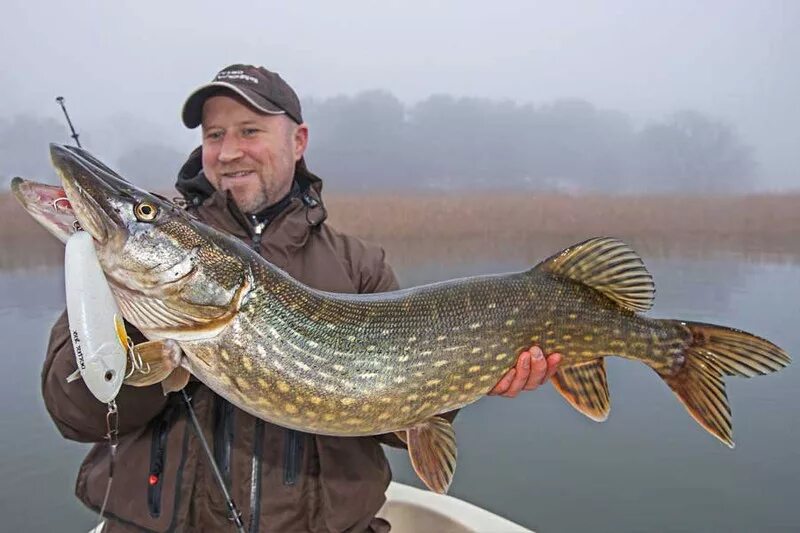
[[264, 90]]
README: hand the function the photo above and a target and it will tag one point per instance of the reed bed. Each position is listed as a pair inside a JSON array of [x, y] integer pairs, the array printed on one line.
[[535, 226], [457, 226]]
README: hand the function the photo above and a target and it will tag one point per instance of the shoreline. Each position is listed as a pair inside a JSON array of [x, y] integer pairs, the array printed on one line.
[[431, 227]]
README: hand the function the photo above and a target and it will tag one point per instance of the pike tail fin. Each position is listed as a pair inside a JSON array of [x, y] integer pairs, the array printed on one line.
[[715, 352]]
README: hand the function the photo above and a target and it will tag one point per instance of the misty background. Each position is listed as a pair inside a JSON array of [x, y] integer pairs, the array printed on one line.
[[623, 96]]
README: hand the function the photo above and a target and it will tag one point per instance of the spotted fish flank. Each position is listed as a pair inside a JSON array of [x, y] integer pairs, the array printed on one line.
[[355, 365]]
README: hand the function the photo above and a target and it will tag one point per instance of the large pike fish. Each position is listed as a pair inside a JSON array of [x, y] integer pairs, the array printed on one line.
[[352, 365]]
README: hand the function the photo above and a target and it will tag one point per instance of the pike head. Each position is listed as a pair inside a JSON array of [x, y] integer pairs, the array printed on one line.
[[172, 276]]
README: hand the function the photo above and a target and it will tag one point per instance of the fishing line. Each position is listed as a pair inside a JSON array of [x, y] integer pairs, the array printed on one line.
[[112, 435]]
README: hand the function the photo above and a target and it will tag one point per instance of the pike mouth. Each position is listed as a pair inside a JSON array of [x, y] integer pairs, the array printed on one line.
[[48, 205]]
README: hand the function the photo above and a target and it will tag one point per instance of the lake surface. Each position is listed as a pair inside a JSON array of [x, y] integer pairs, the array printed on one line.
[[533, 459]]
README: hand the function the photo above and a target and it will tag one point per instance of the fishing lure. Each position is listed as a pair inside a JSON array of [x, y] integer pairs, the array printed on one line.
[[95, 322]]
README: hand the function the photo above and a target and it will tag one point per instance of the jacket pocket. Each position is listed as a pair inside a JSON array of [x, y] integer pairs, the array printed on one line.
[[158, 458], [293, 455], [149, 470]]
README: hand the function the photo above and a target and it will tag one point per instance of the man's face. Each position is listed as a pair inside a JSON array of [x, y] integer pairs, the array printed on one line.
[[250, 154]]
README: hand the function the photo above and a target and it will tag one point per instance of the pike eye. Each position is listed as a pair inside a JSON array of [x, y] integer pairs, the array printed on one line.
[[145, 211]]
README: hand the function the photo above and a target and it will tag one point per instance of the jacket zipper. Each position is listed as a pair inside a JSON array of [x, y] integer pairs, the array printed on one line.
[[255, 476], [258, 438], [224, 411], [158, 453], [293, 450], [294, 441], [258, 229], [223, 437]]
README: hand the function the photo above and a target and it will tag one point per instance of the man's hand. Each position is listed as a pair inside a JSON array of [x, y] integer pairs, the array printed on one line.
[[532, 369]]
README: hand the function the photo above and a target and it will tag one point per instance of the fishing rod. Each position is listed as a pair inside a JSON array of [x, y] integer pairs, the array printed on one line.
[[60, 100], [112, 418]]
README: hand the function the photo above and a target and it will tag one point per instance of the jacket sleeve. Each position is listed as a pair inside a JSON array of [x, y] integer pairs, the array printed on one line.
[[78, 415], [376, 275]]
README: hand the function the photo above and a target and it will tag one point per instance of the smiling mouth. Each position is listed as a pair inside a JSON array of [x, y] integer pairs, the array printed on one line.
[[238, 174]]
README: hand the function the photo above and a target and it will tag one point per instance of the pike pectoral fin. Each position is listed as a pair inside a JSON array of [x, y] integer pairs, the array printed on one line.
[[158, 359], [432, 448], [176, 380], [585, 387]]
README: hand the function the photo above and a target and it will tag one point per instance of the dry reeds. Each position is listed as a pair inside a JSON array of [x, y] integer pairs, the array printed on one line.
[[533, 226]]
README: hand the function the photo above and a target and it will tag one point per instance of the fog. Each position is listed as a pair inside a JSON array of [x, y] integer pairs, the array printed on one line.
[[626, 95]]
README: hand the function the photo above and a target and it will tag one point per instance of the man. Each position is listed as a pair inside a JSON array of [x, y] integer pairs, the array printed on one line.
[[248, 178]]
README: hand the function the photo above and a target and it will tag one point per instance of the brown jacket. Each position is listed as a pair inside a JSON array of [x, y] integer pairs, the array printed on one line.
[[281, 480]]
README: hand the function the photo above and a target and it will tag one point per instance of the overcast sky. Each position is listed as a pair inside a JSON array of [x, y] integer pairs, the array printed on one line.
[[738, 60]]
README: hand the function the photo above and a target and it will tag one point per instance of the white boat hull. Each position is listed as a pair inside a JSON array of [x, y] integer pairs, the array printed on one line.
[[412, 510]]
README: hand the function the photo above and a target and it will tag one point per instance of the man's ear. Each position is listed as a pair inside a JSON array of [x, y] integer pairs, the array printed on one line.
[[300, 141]]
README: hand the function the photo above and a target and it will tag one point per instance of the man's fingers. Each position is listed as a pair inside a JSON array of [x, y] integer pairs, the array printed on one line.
[[538, 373], [532, 369], [523, 368], [552, 365], [503, 385]]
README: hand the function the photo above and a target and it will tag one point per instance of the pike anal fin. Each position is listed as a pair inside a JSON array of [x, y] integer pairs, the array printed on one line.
[[585, 387], [432, 448]]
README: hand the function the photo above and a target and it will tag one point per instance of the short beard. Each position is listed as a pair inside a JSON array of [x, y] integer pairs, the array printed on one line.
[[248, 203]]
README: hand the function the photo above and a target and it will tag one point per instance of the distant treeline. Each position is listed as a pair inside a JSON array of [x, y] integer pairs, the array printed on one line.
[[374, 141]]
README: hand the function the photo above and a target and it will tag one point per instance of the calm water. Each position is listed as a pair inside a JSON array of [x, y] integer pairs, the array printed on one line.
[[533, 459]]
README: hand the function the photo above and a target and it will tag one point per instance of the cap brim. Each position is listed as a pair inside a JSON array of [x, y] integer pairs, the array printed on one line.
[[192, 114]]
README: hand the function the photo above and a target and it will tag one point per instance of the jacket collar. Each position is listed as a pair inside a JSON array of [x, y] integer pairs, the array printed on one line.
[[196, 189], [281, 236]]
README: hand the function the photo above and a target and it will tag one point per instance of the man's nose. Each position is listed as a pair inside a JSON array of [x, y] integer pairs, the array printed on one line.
[[230, 150]]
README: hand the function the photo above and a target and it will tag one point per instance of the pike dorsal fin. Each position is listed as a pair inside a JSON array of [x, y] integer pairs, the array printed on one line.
[[585, 387], [609, 266], [432, 448]]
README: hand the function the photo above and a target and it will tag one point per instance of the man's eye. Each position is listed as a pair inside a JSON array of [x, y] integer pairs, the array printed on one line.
[[214, 135], [249, 132]]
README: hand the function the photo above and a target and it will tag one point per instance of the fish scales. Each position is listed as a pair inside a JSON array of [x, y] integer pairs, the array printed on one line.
[[324, 346]]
